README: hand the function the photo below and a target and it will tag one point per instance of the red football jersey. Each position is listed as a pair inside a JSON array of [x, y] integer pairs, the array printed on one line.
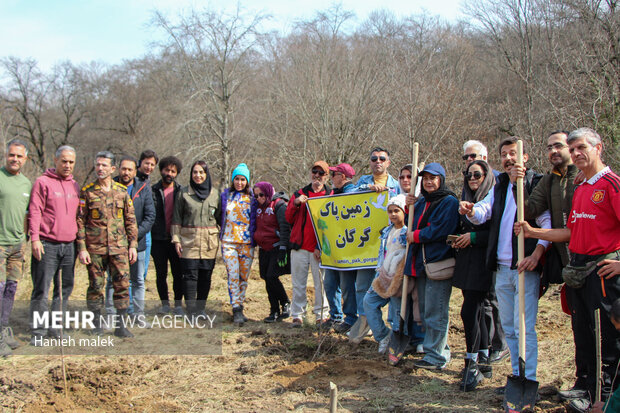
[[594, 220]]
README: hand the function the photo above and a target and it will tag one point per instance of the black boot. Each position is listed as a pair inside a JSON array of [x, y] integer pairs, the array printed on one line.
[[121, 331], [238, 316], [485, 366], [471, 376], [98, 330]]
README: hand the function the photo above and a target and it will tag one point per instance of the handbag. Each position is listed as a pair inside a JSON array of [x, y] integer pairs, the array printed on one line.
[[440, 270]]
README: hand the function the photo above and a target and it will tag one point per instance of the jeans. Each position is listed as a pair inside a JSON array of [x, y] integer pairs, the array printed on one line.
[[57, 261], [147, 258], [331, 281], [301, 261], [136, 288], [434, 299], [507, 290], [373, 303], [363, 280]]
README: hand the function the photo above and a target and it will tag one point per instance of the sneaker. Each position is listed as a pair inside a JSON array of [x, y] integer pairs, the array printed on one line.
[[341, 328], [178, 311], [384, 344], [498, 355], [164, 309], [5, 350], [573, 393], [325, 323], [423, 364], [273, 317], [297, 322], [9, 338], [471, 376], [286, 311], [359, 330], [579, 405], [122, 332]]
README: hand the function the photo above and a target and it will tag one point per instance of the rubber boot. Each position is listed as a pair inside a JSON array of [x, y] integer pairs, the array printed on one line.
[[121, 331]]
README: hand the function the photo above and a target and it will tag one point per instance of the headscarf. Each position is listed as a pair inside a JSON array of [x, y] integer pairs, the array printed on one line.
[[204, 189], [267, 189], [441, 192], [484, 188]]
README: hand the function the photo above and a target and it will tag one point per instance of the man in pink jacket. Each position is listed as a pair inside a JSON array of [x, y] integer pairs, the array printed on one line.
[[53, 228]]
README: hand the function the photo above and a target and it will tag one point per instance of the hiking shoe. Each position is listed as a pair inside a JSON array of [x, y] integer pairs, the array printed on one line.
[[384, 344], [325, 322], [164, 309], [123, 332], [238, 317], [573, 393], [484, 366], [9, 338], [498, 355], [178, 311], [359, 330], [272, 317], [471, 376], [286, 311], [423, 364], [5, 350], [579, 405], [342, 327], [297, 322]]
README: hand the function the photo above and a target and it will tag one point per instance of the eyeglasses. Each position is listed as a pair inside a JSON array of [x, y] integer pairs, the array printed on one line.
[[374, 158], [334, 173], [476, 175], [470, 156], [318, 172], [404, 177], [557, 146], [260, 195]]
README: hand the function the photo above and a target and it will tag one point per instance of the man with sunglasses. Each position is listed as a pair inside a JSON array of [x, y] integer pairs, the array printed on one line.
[[304, 253], [380, 180], [475, 150]]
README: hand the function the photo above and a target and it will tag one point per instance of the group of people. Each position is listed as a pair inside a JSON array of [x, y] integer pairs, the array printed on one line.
[[468, 241]]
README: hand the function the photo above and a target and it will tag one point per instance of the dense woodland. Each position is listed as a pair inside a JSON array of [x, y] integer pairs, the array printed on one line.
[[222, 88]]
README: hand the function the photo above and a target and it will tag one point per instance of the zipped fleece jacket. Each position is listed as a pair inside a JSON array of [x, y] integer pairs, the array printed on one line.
[[54, 202], [302, 231], [194, 224]]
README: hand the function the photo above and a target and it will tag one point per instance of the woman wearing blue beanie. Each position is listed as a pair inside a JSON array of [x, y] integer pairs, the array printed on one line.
[[238, 223]]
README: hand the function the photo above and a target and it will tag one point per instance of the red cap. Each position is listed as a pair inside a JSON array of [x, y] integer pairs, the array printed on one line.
[[344, 168]]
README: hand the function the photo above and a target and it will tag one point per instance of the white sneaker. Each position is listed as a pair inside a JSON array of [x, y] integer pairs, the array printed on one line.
[[384, 344], [419, 349]]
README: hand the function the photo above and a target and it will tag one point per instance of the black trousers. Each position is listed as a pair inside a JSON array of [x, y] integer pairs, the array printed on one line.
[[581, 340], [270, 272], [472, 314], [491, 318], [162, 253], [196, 282]]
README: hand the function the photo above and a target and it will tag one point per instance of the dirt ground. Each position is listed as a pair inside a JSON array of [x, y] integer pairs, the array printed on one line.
[[272, 367]]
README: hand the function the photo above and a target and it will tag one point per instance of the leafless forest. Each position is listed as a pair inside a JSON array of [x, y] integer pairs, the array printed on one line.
[[221, 88]]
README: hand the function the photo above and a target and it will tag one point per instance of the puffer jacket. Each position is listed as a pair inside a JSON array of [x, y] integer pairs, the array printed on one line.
[[194, 224]]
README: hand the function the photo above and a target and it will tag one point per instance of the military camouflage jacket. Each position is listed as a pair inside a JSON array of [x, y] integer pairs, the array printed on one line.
[[106, 220]]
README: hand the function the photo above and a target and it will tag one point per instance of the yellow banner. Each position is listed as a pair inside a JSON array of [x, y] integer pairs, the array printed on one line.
[[348, 227]]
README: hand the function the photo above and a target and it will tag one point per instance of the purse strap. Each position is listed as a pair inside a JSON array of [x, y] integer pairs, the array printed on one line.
[[423, 255]]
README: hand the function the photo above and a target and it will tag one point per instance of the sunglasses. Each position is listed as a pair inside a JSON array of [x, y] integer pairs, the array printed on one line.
[[334, 173], [260, 195], [475, 175], [471, 155], [404, 177], [318, 172], [374, 158]]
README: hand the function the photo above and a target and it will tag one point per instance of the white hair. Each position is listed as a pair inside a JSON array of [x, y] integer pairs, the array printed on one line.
[[474, 143]]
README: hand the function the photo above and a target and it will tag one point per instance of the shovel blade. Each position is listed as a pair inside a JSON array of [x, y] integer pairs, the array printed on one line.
[[396, 349], [520, 394]]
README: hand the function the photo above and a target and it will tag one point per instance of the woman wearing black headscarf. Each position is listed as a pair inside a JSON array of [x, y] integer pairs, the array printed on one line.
[[195, 235], [473, 278]]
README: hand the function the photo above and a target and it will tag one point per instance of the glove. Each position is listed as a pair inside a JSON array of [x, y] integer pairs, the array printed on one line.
[[282, 257]]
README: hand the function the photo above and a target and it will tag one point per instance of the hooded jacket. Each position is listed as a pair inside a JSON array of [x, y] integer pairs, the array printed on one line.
[[53, 208], [272, 230], [302, 231]]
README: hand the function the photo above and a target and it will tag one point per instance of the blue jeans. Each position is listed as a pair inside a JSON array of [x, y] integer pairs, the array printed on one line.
[[434, 299], [136, 288], [363, 280], [507, 290], [373, 303], [344, 284], [147, 251]]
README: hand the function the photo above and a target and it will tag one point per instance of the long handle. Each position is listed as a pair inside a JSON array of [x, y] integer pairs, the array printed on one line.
[[521, 253], [414, 181], [597, 336]]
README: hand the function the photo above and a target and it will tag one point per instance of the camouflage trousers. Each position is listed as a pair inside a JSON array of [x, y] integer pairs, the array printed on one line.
[[11, 262], [118, 265]]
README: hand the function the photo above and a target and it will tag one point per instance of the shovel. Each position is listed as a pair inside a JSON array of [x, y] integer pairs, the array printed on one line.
[[399, 340], [520, 394]]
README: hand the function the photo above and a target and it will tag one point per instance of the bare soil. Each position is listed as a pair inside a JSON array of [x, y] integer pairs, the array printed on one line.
[[272, 367]]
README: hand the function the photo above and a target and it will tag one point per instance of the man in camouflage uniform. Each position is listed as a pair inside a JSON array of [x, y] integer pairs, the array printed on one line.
[[107, 240]]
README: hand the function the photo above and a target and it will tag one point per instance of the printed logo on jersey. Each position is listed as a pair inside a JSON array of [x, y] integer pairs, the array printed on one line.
[[598, 196], [581, 215]]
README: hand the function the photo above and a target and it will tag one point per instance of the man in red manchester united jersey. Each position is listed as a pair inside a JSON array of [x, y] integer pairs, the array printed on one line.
[[593, 232]]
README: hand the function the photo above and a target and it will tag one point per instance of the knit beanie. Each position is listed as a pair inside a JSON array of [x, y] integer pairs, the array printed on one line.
[[243, 170]]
